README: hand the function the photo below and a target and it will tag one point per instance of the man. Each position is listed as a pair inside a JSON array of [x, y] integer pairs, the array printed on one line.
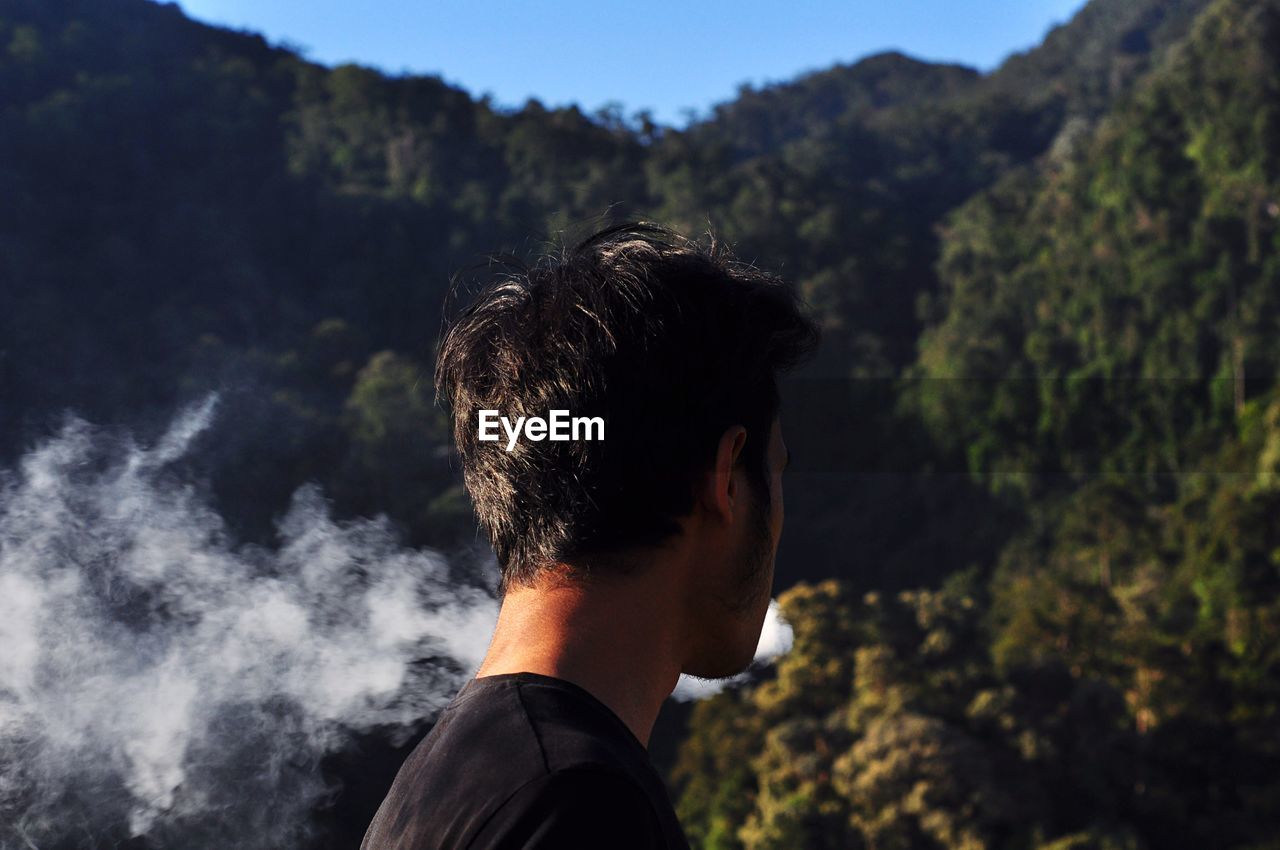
[[625, 560]]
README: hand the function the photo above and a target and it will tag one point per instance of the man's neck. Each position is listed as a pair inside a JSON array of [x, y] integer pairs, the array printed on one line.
[[617, 641]]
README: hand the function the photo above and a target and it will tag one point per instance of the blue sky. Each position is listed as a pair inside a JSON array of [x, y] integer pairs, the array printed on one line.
[[664, 56]]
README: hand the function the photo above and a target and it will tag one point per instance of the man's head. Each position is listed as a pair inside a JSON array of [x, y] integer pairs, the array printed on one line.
[[677, 348]]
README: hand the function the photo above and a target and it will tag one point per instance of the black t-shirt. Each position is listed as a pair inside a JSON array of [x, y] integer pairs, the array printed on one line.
[[522, 761]]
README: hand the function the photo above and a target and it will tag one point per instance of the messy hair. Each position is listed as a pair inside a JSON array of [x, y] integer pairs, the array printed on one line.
[[669, 341]]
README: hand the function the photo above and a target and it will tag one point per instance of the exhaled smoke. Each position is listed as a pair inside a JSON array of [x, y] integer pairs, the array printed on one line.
[[157, 679], [776, 638]]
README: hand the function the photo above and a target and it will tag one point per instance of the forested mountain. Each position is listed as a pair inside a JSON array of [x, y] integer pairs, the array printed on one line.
[[1101, 351], [1134, 280], [190, 206], [1045, 596]]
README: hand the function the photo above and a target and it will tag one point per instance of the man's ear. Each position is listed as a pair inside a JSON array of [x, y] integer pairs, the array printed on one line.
[[720, 490]]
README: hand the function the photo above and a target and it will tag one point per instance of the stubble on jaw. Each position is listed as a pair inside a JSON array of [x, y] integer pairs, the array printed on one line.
[[741, 594], [748, 588], [753, 583]]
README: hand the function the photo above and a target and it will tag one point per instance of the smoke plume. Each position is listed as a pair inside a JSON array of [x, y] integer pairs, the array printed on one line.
[[158, 680], [162, 685]]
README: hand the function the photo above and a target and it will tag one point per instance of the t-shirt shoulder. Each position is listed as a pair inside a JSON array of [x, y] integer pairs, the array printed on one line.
[[571, 727], [522, 761], [584, 806]]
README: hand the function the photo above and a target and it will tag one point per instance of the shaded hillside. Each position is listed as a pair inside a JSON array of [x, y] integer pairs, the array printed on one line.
[[1083, 65], [190, 208], [761, 121]]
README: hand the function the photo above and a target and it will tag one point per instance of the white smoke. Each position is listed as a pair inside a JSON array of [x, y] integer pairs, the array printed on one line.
[[776, 638], [157, 679]]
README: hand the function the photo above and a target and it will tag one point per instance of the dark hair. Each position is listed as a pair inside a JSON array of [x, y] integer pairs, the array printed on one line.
[[668, 341]]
